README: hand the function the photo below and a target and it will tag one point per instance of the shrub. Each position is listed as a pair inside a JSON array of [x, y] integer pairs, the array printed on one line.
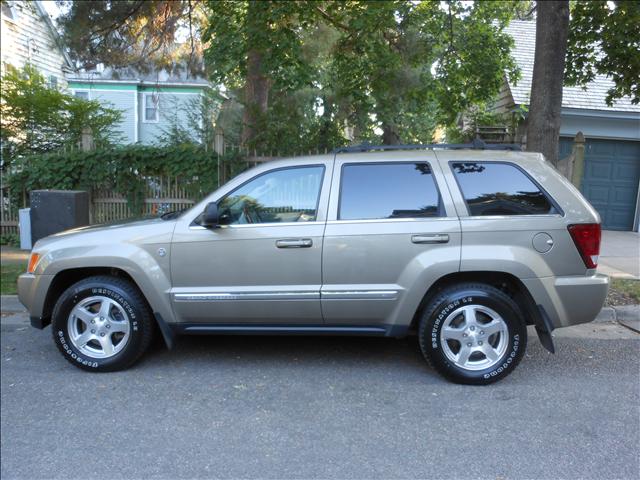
[[126, 170]]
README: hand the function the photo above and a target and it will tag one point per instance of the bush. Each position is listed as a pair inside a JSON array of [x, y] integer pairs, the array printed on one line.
[[125, 170]]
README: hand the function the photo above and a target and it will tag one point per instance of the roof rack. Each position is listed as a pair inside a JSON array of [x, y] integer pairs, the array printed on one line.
[[475, 145]]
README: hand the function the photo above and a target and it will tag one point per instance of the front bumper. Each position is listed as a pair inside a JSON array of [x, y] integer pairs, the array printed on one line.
[[32, 293], [569, 300]]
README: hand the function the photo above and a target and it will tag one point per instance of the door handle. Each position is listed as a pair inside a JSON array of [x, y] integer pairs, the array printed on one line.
[[294, 243], [431, 238]]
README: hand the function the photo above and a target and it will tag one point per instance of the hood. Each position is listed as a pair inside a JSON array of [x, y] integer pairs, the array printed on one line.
[[134, 230]]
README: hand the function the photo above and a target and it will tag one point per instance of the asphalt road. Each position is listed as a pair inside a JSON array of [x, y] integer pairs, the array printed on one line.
[[277, 407]]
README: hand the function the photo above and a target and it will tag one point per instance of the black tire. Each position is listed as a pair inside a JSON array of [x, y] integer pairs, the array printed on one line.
[[124, 294], [450, 300]]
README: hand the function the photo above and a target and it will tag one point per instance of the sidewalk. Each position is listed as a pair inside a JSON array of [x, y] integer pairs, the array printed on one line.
[[620, 254], [13, 256]]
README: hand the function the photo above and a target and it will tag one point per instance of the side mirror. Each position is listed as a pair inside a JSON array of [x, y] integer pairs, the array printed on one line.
[[210, 216]]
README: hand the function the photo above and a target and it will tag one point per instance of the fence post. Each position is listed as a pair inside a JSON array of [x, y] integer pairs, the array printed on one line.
[[578, 163], [86, 142]]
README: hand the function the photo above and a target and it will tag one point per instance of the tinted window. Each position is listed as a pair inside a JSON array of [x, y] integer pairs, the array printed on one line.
[[287, 195], [500, 189], [388, 190]]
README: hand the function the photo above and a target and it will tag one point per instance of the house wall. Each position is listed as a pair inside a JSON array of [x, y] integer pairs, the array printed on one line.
[[28, 38], [121, 97], [174, 107]]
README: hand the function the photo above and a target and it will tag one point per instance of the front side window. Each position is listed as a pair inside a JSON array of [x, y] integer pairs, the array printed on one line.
[[388, 190], [500, 189], [84, 95], [286, 195], [151, 107]]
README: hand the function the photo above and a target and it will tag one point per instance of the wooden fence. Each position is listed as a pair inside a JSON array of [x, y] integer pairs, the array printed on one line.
[[163, 194]]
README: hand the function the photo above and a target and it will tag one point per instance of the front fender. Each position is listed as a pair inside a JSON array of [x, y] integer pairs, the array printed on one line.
[[148, 269]]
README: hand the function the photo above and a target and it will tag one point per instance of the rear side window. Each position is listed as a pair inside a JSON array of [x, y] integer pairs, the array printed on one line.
[[388, 190], [500, 189]]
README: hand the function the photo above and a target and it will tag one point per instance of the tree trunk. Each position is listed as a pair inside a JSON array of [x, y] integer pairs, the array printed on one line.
[[543, 122], [256, 87], [390, 135], [256, 97]]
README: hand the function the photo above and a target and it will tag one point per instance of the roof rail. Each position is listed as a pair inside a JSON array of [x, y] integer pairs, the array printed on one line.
[[475, 145]]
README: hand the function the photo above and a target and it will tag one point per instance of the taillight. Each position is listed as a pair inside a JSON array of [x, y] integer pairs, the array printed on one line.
[[586, 236]]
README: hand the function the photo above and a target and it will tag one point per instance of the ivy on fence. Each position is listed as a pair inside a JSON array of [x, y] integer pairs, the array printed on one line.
[[126, 170]]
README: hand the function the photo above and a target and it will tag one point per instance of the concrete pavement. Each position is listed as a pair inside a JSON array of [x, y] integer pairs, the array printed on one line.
[[324, 407], [620, 254]]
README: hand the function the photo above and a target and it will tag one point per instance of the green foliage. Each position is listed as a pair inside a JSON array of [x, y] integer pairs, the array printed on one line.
[[392, 68], [604, 40], [125, 170], [37, 119], [9, 278], [273, 28], [10, 239], [140, 34]]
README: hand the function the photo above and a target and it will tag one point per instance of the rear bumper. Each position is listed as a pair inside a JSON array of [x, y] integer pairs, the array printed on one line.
[[32, 292], [569, 300]]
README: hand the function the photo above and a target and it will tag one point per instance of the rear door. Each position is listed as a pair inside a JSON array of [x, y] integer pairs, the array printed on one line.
[[391, 232]]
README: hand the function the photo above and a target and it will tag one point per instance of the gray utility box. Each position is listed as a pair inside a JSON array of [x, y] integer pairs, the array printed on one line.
[[53, 211], [24, 225]]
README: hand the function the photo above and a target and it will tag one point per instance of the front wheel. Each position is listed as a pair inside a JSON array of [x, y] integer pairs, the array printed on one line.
[[473, 334], [102, 324]]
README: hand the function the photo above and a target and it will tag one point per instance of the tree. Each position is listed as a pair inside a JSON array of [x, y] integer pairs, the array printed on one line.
[[404, 67], [604, 40], [139, 34], [38, 119], [543, 122], [254, 48]]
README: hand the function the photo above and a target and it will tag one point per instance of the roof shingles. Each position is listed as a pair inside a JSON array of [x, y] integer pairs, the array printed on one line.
[[593, 98]]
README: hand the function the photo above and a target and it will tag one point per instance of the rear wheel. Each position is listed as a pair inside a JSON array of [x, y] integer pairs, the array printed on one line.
[[102, 323], [473, 334]]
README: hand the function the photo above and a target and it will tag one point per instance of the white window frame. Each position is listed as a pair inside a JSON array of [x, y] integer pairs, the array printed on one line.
[[82, 90], [12, 9], [146, 95]]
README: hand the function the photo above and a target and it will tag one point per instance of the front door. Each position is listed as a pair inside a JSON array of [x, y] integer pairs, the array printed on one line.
[[263, 264]]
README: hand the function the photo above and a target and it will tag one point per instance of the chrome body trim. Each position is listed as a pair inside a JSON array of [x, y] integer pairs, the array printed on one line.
[[359, 294], [222, 296], [301, 295]]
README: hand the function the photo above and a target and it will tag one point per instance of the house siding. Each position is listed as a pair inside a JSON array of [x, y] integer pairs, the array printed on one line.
[[174, 105], [173, 108], [28, 38], [123, 100]]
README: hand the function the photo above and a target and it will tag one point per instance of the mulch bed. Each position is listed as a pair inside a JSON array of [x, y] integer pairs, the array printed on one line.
[[616, 298]]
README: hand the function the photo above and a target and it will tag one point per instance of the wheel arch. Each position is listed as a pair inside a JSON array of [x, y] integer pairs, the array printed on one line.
[[67, 277], [504, 281]]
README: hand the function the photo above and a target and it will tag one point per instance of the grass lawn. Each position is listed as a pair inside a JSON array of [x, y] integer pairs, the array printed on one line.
[[9, 277], [631, 288]]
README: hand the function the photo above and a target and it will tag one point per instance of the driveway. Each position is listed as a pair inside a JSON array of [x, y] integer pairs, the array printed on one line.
[[278, 407], [620, 254]]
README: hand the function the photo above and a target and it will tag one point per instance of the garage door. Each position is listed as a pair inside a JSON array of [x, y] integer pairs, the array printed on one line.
[[611, 178]]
